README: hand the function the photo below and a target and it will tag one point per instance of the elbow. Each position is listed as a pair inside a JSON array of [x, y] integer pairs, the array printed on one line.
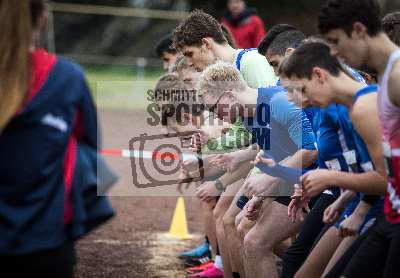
[[309, 157]]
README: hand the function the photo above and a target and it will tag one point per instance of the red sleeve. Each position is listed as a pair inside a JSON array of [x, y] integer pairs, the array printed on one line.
[[259, 30]]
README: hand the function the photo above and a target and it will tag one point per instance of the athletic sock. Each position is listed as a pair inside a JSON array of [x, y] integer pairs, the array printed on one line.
[[235, 275], [218, 263]]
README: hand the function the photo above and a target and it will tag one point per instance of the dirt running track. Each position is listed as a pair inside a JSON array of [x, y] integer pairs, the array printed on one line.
[[134, 243]]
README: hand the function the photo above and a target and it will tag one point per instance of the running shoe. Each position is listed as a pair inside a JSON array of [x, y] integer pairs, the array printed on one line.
[[199, 251], [200, 268], [197, 261], [211, 272]]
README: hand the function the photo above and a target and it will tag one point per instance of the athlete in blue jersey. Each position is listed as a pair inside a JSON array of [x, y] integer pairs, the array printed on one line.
[[221, 89], [302, 69], [326, 124]]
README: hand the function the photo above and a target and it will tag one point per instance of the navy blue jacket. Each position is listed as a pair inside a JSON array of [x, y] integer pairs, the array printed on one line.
[[44, 164]]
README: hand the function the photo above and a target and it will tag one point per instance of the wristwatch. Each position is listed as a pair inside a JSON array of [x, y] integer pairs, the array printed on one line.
[[219, 185]]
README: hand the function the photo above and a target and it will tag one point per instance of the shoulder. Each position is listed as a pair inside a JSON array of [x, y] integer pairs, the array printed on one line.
[[254, 65], [282, 110], [69, 68], [253, 57], [280, 100], [257, 19], [394, 84], [365, 105]]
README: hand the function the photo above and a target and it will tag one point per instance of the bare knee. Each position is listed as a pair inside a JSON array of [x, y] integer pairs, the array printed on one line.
[[238, 219], [254, 244], [218, 213], [229, 221], [207, 207], [241, 230]]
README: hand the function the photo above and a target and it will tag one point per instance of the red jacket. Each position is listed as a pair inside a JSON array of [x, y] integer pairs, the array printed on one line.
[[247, 29]]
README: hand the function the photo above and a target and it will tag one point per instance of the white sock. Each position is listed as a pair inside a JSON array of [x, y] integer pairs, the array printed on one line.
[[218, 263]]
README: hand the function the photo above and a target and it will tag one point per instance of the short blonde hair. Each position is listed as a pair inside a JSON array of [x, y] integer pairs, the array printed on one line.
[[218, 78]]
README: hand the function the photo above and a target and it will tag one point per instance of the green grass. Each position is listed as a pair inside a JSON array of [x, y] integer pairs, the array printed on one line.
[[120, 87]]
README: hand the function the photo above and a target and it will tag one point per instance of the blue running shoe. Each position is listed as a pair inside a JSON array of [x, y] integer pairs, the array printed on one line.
[[199, 251]]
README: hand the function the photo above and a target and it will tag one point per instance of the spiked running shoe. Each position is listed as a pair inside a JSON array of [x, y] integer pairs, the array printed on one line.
[[211, 272], [197, 252], [200, 268], [197, 261]]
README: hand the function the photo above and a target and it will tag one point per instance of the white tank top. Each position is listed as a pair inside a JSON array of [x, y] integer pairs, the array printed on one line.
[[389, 114]]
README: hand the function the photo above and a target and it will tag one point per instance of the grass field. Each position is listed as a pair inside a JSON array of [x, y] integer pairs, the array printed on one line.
[[120, 87]]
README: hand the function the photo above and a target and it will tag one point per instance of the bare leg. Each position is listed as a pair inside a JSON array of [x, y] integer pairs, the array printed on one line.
[[243, 225], [281, 248], [209, 223], [319, 257], [272, 228], [235, 243], [344, 245], [222, 206]]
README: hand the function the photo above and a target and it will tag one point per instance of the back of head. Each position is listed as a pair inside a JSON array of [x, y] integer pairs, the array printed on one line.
[[15, 69], [391, 25], [342, 14], [229, 37], [197, 26], [218, 78], [306, 57], [165, 45], [285, 40], [171, 92], [275, 31]]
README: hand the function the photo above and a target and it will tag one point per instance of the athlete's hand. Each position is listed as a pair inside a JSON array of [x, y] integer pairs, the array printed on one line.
[[207, 191], [316, 181], [351, 225], [333, 212], [256, 185], [189, 173], [199, 140], [190, 165], [253, 207], [227, 161], [298, 204], [261, 158]]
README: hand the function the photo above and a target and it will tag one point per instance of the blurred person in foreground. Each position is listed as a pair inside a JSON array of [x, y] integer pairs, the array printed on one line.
[[48, 146]]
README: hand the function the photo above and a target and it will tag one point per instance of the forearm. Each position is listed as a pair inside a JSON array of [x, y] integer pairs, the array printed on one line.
[[362, 209], [247, 154], [241, 172], [300, 160], [289, 174], [346, 197], [368, 182]]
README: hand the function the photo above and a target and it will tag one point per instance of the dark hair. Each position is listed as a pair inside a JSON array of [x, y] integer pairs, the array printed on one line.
[[391, 26], [197, 26], [36, 7], [368, 74], [342, 14], [289, 39], [308, 56], [275, 31], [165, 45], [228, 35]]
